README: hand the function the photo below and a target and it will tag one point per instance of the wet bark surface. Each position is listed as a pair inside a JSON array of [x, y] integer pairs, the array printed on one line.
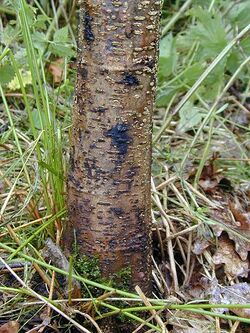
[[110, 159]]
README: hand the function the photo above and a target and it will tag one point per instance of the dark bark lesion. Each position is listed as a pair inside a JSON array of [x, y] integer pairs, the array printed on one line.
[[118, 211], [83, 73], [119, 137], [88, 32], [129, 79], [100, 109], [92, 171]]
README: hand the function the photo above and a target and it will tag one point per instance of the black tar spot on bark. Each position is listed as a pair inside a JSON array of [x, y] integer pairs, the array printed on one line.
[[93, 145], [150, 63], [103, 203], [129, 79], [99, 110], [130, 176], [84, 73], [132, 172], [88, 33], [80, 137], [88, 169], [113, 243], [117, 211], [92, 170], [76, 182], [104, 71], [71, 159], [120, 138]]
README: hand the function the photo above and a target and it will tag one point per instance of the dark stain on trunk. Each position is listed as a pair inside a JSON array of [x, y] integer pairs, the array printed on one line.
[[117, 211], [92, 170], [119, 137], [99, 110], [72, 159], [84, 73], [88, 33], [129, 79]]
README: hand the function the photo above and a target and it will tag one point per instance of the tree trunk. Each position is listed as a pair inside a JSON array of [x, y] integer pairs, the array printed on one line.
[[110, 164]]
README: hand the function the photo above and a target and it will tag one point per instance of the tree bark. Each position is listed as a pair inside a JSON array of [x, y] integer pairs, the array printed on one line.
[[110, 160]]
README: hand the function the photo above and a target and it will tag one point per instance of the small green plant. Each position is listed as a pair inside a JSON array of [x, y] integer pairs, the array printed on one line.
[[88, 267], [122, 279]]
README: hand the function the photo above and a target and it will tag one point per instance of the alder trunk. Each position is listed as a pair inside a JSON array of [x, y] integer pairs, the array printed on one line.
[[110, 162]]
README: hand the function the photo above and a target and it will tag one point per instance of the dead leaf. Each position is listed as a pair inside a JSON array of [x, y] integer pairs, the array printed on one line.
[[243, 218], [226, 255], [208, 184], [238, 293], [54, 253], [210, 177], [234, 219], [56, 69], [200, 245], [242, 117], [188, 322], [10, 327], [198, 286], [185, 330]]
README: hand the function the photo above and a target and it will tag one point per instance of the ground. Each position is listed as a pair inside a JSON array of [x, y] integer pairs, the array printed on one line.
[[200, 174]]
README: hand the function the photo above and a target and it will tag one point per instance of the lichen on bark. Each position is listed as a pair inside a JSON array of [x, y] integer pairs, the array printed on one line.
[[110, 158]]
